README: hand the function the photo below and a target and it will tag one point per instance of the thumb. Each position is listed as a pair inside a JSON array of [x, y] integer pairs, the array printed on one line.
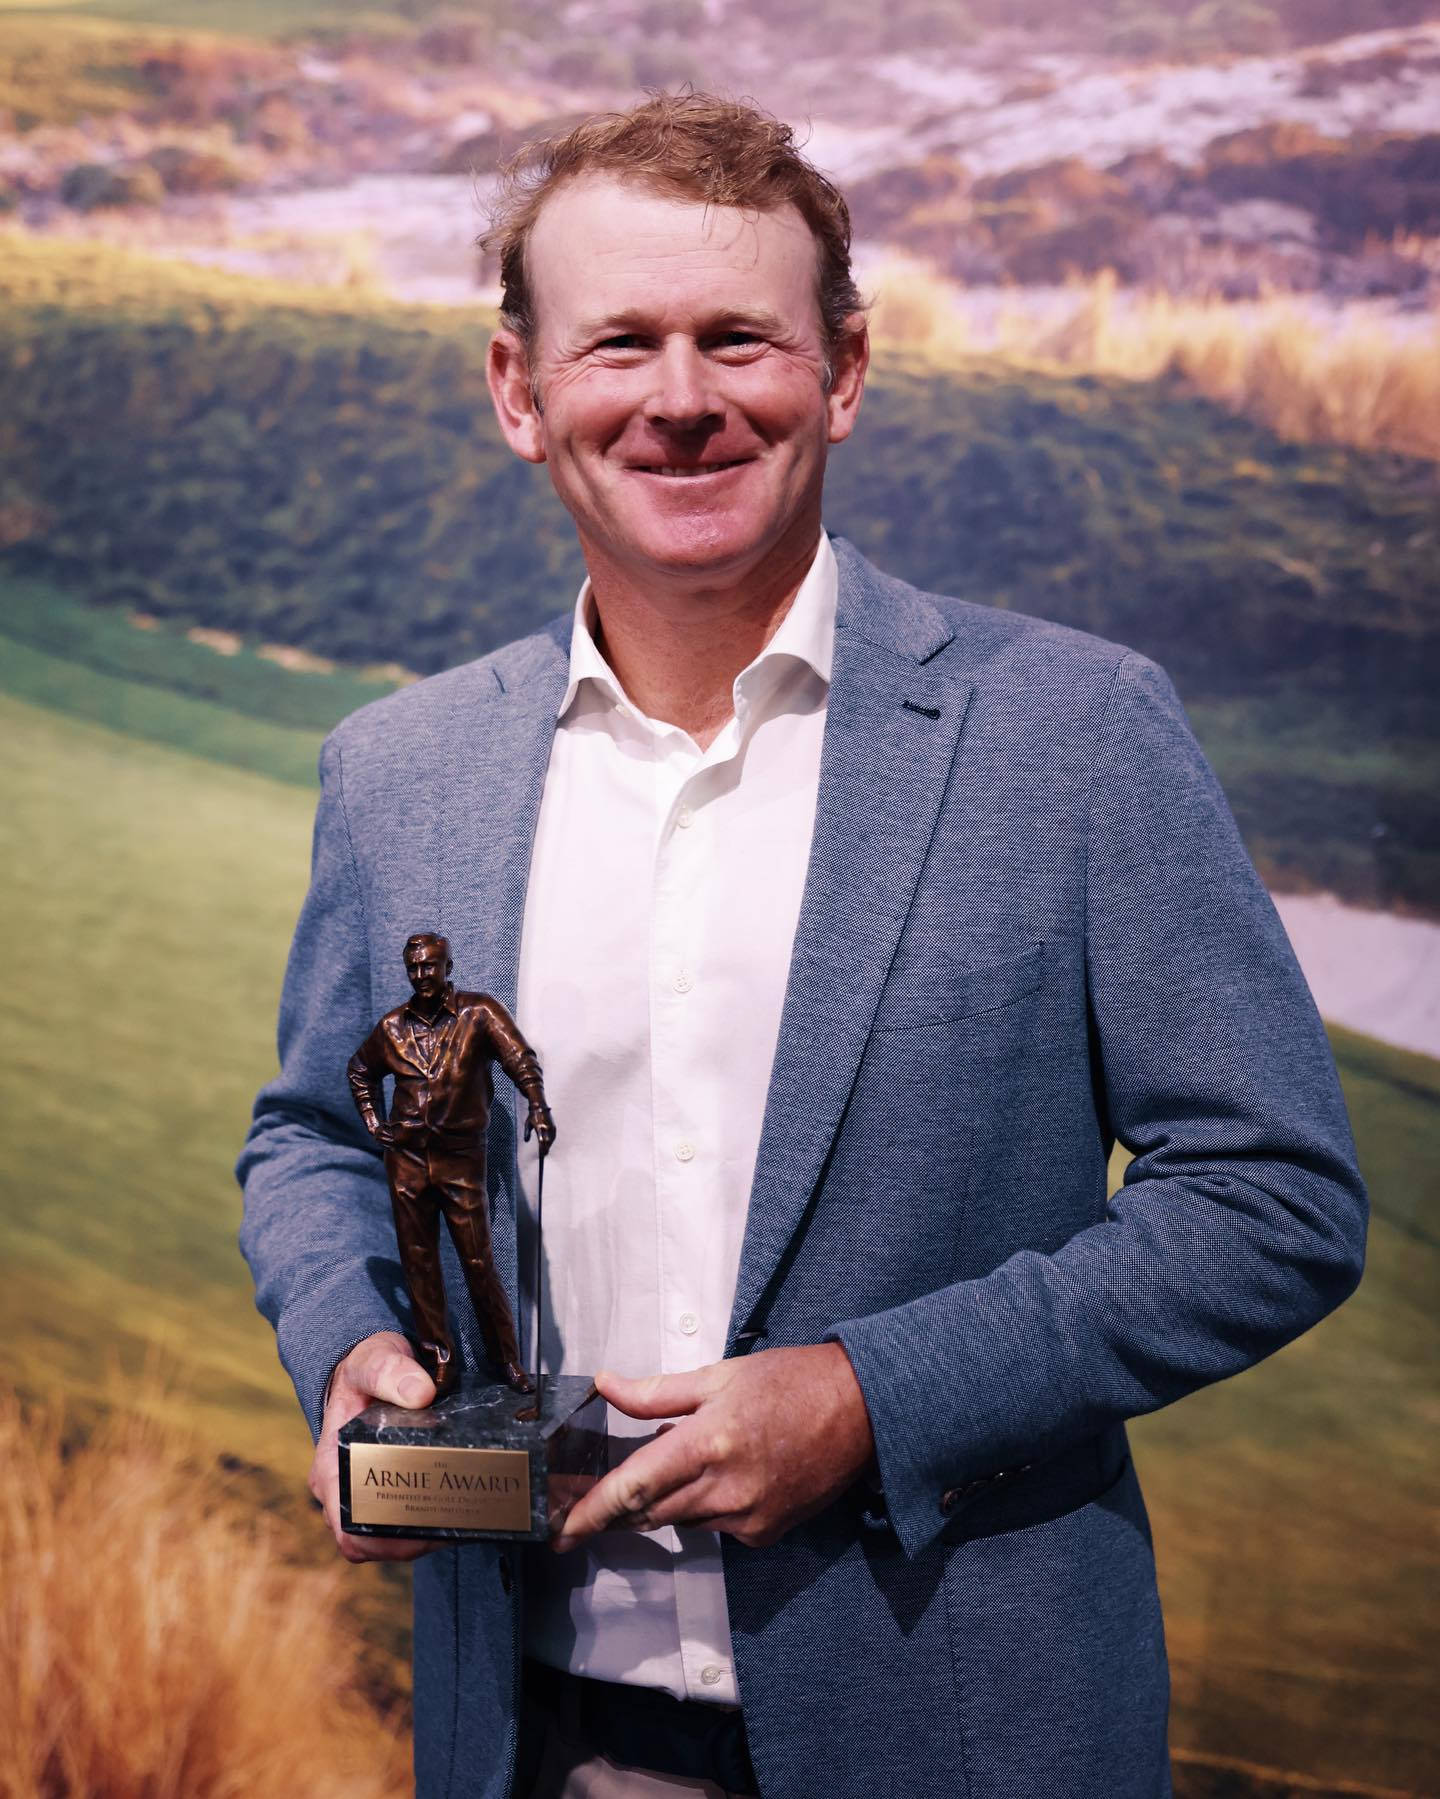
[[393, 1375], [656, 1395]]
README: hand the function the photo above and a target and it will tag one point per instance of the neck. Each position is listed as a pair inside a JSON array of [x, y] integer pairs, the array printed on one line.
[[676, 649]]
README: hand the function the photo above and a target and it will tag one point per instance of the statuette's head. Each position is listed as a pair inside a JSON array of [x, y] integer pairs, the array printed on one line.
[[428, 964], [681, 337]]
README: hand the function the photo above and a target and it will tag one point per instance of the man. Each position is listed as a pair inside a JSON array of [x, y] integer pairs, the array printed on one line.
[[438, 1049], [854, 926]]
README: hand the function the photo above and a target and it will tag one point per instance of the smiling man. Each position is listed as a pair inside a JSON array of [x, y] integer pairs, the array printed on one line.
[[853, 926], [672, 365]]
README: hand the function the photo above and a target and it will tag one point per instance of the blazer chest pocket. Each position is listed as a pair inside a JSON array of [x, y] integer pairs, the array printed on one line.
[[940, 990]]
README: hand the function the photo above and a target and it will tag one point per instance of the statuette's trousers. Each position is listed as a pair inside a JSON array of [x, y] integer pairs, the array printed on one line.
[[429, 1177]]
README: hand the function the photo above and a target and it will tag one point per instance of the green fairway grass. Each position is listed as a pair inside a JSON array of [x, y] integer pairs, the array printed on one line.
[[237, 709], [1294, 1507], [151, 894], [237, 677], [198, 727]]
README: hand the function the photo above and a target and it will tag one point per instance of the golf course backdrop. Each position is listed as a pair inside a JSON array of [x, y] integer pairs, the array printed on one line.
[[1158, 355]]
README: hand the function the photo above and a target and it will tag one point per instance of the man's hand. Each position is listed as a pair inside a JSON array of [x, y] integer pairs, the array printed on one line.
[[767, 1440], [378, 1367], [543, 1126], [390, 1136]]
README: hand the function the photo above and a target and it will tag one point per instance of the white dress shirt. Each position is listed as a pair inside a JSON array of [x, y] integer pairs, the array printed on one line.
[[664, 891]]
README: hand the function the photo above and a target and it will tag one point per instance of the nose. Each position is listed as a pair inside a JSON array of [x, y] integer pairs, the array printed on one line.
[[683, 395]]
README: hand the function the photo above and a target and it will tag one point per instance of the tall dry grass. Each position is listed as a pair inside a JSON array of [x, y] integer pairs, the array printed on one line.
[[154, 1641], [1271, 360]]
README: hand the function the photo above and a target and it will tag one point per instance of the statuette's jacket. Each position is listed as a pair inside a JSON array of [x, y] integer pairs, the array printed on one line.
[[443, 1083]]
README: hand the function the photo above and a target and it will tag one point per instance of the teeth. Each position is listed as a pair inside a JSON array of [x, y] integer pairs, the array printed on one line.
[[708, 468]]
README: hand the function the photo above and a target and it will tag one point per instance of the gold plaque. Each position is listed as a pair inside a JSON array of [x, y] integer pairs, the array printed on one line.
[[445, 1489]]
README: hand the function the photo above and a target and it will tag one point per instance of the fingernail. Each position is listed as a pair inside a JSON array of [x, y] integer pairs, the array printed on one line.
[[411, 1388]]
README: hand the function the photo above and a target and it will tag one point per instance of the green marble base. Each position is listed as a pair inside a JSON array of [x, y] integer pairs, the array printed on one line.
[[476, 1465]]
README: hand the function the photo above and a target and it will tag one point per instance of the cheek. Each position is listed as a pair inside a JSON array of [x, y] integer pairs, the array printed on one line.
[[588, 406], [787, 403]]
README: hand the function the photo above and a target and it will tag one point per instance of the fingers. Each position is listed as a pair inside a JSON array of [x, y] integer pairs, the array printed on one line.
[[382, 1367], [660, 1395], [383, 1549], [324, 1485], [760, 1443], [666, 1481], [655, 1480], [379, 1367]]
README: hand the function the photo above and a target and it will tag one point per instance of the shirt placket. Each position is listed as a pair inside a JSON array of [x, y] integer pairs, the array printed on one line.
[[692, 1331], [680, 1155]]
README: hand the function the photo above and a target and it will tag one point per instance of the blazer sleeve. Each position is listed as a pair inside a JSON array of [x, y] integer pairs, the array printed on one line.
[[317, 1229], [1242, 1218]]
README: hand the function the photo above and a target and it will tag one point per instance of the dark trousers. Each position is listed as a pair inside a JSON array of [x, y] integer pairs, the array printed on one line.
[[429, 1178], [591, 1739]]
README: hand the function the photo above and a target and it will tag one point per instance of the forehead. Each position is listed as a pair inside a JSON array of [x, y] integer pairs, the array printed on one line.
[[423, 952], [604, 247]]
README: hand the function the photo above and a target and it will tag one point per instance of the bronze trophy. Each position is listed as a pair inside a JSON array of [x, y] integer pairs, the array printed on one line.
[[501, 1458]]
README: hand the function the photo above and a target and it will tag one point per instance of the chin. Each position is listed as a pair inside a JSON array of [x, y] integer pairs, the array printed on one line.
[[701, 544]]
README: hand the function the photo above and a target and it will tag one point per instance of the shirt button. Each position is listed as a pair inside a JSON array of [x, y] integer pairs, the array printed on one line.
[[710, 1674], [682, 982], [689, 1323], [684, 818], [684, 1152]]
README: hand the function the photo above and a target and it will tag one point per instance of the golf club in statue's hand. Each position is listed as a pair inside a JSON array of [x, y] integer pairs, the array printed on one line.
[[542, 1125]]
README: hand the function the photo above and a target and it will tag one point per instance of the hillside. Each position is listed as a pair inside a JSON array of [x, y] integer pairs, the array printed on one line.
[[322, 471], [330, 472]]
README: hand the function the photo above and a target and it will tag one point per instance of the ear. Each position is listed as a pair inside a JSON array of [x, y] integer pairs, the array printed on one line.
[[851, 359], [507, 369]]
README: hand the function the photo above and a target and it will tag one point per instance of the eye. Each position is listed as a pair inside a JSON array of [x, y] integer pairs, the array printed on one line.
[[620, 340]]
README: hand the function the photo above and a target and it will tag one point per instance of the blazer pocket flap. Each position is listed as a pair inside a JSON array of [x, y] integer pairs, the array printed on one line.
[[938, 992]]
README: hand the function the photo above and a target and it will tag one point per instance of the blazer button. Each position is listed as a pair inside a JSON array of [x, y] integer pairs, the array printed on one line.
[[954, 1497]]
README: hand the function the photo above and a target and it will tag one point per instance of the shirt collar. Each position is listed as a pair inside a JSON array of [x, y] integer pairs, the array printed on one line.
[[806, 634], [447, 1004]]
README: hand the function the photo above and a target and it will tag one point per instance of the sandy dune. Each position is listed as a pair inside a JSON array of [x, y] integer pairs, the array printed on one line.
[[1372, 971]]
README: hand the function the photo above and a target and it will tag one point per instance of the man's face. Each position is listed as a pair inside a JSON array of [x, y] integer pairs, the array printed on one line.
[[427, 969], [679, 360]]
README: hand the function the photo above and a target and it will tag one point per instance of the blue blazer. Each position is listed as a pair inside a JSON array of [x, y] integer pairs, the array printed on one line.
[[1029, 929]]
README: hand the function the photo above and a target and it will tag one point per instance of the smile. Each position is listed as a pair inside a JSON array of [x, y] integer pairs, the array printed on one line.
[[675, 470]]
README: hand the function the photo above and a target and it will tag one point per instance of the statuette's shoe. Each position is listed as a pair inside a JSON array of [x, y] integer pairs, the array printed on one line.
[[517, 1379]]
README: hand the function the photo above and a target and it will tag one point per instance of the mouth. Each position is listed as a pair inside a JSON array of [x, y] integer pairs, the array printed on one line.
[[680, 471]]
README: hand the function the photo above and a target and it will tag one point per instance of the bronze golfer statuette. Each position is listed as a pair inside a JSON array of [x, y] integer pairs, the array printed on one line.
[[479, 1462]]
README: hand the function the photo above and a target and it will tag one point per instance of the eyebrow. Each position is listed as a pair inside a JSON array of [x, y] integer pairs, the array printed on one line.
[[640, 321]]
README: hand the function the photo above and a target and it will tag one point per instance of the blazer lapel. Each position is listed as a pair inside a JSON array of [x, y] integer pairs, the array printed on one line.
[[892, 724], [498, 748]]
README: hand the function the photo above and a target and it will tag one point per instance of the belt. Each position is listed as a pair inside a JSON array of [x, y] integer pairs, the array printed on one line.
[[640, 1727]]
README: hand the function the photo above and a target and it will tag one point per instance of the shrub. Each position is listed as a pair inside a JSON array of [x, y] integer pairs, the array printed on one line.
[[154, 1639], [184, 170], [90, 185]]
